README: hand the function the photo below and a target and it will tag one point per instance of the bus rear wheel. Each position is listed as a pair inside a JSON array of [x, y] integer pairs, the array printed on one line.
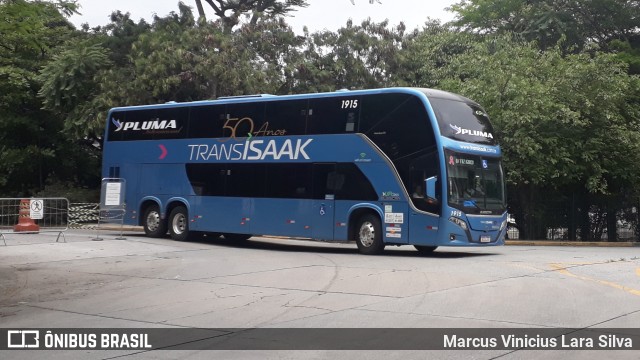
[[152, 222], [179, 224], [425, 250], [369, 235]]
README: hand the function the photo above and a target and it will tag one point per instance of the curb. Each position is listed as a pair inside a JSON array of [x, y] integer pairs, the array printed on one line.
[[571, 243]]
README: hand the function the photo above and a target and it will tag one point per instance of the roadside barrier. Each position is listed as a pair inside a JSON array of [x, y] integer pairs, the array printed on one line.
[[32, 216], [112, 206], [84, 215]]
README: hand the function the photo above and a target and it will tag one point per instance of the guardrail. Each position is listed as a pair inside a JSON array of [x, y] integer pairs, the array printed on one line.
[[31, 216], [84, 215]]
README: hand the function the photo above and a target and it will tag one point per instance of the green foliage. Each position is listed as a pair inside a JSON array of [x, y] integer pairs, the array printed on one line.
[[357, 56], [229, 12], [180, 60], [566, 123], [628, 52], [32, 144], [71, 191], [576, 22], [66, 79], [566, 112]]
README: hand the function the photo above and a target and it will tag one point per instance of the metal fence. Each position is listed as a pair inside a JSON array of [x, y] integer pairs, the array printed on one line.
[[29, 216], [574, 224], [84, 215]]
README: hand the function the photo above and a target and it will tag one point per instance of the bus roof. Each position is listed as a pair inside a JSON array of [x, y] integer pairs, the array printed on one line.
[[429, 93]]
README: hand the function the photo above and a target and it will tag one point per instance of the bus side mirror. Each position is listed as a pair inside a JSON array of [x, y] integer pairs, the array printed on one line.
[[431, 188]]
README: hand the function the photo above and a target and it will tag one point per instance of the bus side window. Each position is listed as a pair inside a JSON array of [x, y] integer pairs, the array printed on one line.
[[335, 182], [343, 113], [323, 181]]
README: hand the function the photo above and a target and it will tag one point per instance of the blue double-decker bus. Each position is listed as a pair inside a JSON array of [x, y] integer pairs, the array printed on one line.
[[396, 166]]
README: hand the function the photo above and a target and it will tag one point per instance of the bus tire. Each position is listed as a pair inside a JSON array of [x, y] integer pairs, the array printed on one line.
[[424, 249], [152, 222], [369, 235], [179, 224]]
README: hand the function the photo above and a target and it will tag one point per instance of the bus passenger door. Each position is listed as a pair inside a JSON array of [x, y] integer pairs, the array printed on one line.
[[324, 180]]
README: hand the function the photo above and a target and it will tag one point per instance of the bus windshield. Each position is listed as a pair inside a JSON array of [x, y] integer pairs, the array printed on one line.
[[475, 184], [462, 121]]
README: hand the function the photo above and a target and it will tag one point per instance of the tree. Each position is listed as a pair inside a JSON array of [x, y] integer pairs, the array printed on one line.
[[277, 54], [69, 85], [34, 151], [230, 11], [567, 123], [356, 56], [576, 22]]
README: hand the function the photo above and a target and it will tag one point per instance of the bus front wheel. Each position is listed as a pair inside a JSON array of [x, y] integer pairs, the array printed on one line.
[[153, 224], [369, 235], [179, 224]]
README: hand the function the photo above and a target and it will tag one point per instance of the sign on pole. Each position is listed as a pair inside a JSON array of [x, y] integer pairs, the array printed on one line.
[[113, 194], [36, 209], [112, 204]]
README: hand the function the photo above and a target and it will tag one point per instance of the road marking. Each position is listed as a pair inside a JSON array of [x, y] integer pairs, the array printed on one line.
[[562, 269]]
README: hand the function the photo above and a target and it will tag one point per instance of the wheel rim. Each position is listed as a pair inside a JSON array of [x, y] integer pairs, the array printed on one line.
[[367, 234], [153, 220], [179, 224]]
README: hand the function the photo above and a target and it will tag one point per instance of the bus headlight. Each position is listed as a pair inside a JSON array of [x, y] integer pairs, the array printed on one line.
[[459, 222]]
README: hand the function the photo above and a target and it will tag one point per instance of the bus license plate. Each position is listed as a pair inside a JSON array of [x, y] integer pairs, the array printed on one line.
[[485, 239]]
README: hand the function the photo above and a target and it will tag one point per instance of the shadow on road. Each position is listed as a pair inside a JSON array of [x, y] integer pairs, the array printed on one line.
[[310, 246]]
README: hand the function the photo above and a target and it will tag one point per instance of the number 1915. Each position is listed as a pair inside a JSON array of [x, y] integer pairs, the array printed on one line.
[[349, 104]]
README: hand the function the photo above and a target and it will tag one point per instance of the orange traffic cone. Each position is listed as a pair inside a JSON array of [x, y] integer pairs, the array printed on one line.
[[25, 222]]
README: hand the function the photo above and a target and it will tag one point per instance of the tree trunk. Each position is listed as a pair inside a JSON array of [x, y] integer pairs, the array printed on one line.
[[612, 223], [200, 10]]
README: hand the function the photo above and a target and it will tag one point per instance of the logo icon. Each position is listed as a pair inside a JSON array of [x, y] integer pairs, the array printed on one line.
[[23, 339], [164, 151], [117, 123], [460, 131]]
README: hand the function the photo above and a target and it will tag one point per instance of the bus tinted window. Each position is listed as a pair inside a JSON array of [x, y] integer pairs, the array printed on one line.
[[285, 181], [207, 121], [292, 181], [397, 123], [333, 115], [178, 114], [462, 121], [355, 185], [207, 179], [246, 181], [284, 118], [243, 119], [148, 124]]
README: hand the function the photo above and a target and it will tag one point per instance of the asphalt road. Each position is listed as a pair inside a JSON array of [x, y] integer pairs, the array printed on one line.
[[155, 283]]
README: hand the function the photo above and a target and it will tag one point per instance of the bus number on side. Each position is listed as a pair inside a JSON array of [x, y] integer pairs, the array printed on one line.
[[349, 104]]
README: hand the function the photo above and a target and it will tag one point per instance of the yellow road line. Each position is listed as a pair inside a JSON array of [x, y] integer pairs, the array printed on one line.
[[562, 269]]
